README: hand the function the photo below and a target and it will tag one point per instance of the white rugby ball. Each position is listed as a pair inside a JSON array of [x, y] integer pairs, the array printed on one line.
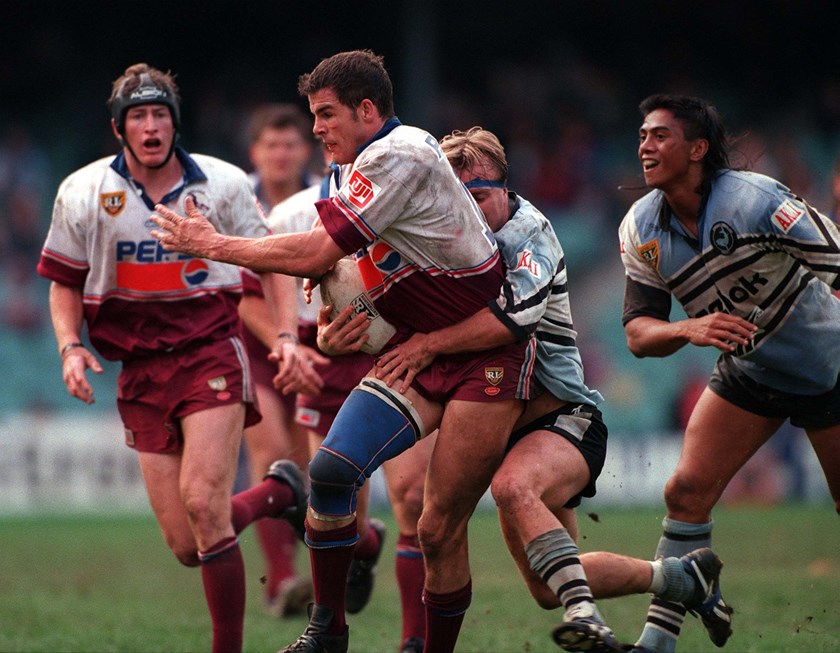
[[342, 286]]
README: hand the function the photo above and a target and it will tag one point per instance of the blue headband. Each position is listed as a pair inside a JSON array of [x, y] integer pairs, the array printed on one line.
[[478, 182]]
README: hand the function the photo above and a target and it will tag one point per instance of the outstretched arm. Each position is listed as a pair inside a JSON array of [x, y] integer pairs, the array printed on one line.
[[306, 254]]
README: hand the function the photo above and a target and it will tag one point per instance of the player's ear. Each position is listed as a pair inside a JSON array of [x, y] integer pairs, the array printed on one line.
[[367, 110], [699, 148]]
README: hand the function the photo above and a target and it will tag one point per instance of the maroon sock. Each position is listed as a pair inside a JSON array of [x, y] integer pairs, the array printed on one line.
[[267, 499], [368, 545], [223, 575], [330, 553], [278, 542], [444, 616], [411, 576]]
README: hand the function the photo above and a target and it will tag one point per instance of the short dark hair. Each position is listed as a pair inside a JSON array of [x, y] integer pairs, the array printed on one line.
[[355, 75], [700, 119], [279, 116]]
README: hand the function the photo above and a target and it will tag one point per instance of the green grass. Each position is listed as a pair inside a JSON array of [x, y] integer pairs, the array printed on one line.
[[109, 584]]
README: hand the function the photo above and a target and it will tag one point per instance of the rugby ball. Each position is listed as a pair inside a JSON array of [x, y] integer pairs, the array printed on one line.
[[343, 286]]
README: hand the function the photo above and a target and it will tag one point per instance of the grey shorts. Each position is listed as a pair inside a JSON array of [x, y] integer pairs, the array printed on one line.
[[583, 426], [805, 411]]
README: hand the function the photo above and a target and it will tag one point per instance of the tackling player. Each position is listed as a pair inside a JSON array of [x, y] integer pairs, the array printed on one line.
[[185, 389], [557, 449]]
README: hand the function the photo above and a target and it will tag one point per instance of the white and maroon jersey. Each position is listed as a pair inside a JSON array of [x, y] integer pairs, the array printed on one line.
[[428, 258], [138, 298], [534, 301], [762, 254]]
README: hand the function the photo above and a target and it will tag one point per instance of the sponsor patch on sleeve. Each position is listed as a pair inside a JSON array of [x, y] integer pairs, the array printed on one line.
[[527, 262], [787, 215], [361, 190]]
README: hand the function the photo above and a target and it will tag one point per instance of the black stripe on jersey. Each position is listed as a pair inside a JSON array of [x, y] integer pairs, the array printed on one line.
[[555, 338], [713, 277]]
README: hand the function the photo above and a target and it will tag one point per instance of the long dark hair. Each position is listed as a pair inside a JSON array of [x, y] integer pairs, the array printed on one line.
[[700, 119]]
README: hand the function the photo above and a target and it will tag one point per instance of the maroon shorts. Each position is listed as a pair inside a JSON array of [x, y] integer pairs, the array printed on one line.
[[340, 377], [494, 375], [154, 393], [263, 370]]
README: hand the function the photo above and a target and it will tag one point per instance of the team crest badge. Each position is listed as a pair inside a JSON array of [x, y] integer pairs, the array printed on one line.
[[650, 253], [361, 190], [201, 199], [218, 384], [723, 237], [113, 203], [494, 376]]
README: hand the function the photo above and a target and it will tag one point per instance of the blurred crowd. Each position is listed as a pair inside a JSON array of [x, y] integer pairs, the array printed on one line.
[[572, 149]]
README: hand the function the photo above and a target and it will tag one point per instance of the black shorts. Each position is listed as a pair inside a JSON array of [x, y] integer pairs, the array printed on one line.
[[809, 412], [583, 426]]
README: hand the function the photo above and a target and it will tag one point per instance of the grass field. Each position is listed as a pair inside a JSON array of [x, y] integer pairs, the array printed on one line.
[[109, 584]]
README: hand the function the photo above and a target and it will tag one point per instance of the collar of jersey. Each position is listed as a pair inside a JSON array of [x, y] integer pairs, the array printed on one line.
[[390, 125], [192, 173]]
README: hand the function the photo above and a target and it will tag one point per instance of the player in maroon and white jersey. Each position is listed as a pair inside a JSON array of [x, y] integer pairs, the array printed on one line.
[[185, 388], [429, 261]]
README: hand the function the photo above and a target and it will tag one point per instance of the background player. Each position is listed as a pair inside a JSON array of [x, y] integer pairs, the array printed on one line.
[[754, 267], [185, 390]]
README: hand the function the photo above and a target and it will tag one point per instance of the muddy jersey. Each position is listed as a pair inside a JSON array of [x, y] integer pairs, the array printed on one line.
[[428, 258], [138, 298], [762, 254], [534, 300]]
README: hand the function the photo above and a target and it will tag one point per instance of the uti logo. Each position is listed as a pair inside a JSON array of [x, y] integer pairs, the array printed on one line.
[[147, 268]]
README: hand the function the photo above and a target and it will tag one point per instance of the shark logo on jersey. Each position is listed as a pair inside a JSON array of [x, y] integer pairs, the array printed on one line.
[[362, 190], [202, 201], [723, 237], [113, 203], [787, 215], [650, 253]]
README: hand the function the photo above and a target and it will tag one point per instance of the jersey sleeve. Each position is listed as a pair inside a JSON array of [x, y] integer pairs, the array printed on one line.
[[534, 269], [64, 254], [645, 292], [378, 192], [808, 236]]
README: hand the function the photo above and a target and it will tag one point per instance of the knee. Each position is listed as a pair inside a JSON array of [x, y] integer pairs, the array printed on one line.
[[333, 483], [185, 551], [409, 497], [691, 494], [433, 535], [510, 490]]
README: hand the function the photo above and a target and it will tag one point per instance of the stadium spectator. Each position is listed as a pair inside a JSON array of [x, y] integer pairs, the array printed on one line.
[[280, 149], [754, 267], [185, 390], [399, 187]]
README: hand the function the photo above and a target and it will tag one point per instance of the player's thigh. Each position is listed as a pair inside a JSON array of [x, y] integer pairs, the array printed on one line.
[[719, 438], [547, 465], [826, 443], [211, 448], [469, 449]]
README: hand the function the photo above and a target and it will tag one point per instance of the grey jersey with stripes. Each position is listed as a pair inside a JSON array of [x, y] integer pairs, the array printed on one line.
[[762, 254], [534, 300]]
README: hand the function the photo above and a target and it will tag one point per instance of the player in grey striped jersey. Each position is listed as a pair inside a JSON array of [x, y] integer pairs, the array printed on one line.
[[754, 267]]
